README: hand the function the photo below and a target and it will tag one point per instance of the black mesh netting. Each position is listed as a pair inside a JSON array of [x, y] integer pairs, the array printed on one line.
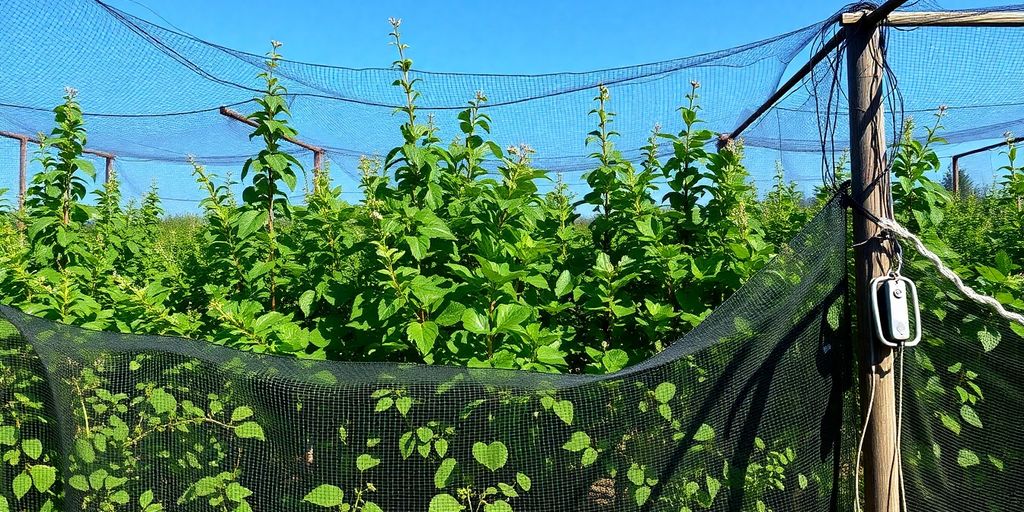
[[962, 444], [743, 413]]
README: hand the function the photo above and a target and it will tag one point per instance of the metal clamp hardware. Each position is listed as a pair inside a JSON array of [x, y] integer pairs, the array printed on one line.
[[893, 329]]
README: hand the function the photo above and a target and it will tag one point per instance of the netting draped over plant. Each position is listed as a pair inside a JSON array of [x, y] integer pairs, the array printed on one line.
[[743, 412], [152, 94]]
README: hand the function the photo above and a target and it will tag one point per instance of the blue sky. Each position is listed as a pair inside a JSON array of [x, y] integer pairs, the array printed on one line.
[[524, 36]]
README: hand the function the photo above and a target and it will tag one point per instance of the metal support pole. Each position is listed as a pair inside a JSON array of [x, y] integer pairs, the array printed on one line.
[[955, 173], [22, 172], [872, 190]]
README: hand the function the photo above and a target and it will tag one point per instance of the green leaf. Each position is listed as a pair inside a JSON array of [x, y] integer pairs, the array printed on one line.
[[970, 416], [990, 274], [445, 503], [801, 480], [423, 335], [403, 404], [989, 339], [384, 404], [406, 444], [33, 448], [418, 246], [306, 302], [43, 476], [250, 221], [524, 481], [443, 473], [1017, 328], [250, 430], [146, 498], [492, 456], [21, 485], [511, 315], [665, 392], [162, 401], [85, 451], [121, 497], [665, 410], [370, 506], [366, 461], [564, 284], [642, 494], [498, 506], [704, 433], [564, 410], [589, 456], [474, 322], [325, 495], [451, 314], [615, 360], [240, 413], [96, 479], [236, 492], [577, 442], [967, 458], [950, 422], [635, 474], [79, 482]]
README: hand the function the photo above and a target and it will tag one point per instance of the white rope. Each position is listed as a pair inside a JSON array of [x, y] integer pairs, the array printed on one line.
[[946, 272]]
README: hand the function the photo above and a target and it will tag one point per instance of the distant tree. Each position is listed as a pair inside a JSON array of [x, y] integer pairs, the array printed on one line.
[[967, 186]]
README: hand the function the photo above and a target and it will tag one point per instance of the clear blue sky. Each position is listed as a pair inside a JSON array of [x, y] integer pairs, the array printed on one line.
[[522, 36]]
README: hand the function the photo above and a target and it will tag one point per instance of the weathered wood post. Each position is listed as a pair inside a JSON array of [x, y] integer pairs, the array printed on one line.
[[872, 191], [22, 172], [109, 170]]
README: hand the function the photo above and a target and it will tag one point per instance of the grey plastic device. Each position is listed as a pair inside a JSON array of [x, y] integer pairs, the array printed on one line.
[[891, 298]]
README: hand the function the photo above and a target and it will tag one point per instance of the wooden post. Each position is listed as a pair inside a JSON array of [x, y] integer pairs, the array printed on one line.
[[22, 172], [872, 190], [955, 173], [318, 163], [109, 171]]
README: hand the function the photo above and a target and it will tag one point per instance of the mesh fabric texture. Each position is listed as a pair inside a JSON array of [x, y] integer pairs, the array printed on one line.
[[961, 441], [151, 96], [747, 408]]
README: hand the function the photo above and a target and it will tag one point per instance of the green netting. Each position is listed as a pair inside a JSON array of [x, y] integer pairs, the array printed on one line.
[[746, 412]]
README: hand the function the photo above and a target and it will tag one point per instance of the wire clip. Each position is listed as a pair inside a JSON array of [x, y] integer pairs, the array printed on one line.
[[890, 296]]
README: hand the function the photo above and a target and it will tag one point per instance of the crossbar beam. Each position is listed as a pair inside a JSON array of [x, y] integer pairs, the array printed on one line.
[[944, 19], [872, 17], [318, 152], [955, 171], [35, 140]]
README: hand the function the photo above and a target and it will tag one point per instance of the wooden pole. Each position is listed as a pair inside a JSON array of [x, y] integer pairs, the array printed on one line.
[[22, 172], [872, 190], [109, 170], [944, 19], [318, 162]]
